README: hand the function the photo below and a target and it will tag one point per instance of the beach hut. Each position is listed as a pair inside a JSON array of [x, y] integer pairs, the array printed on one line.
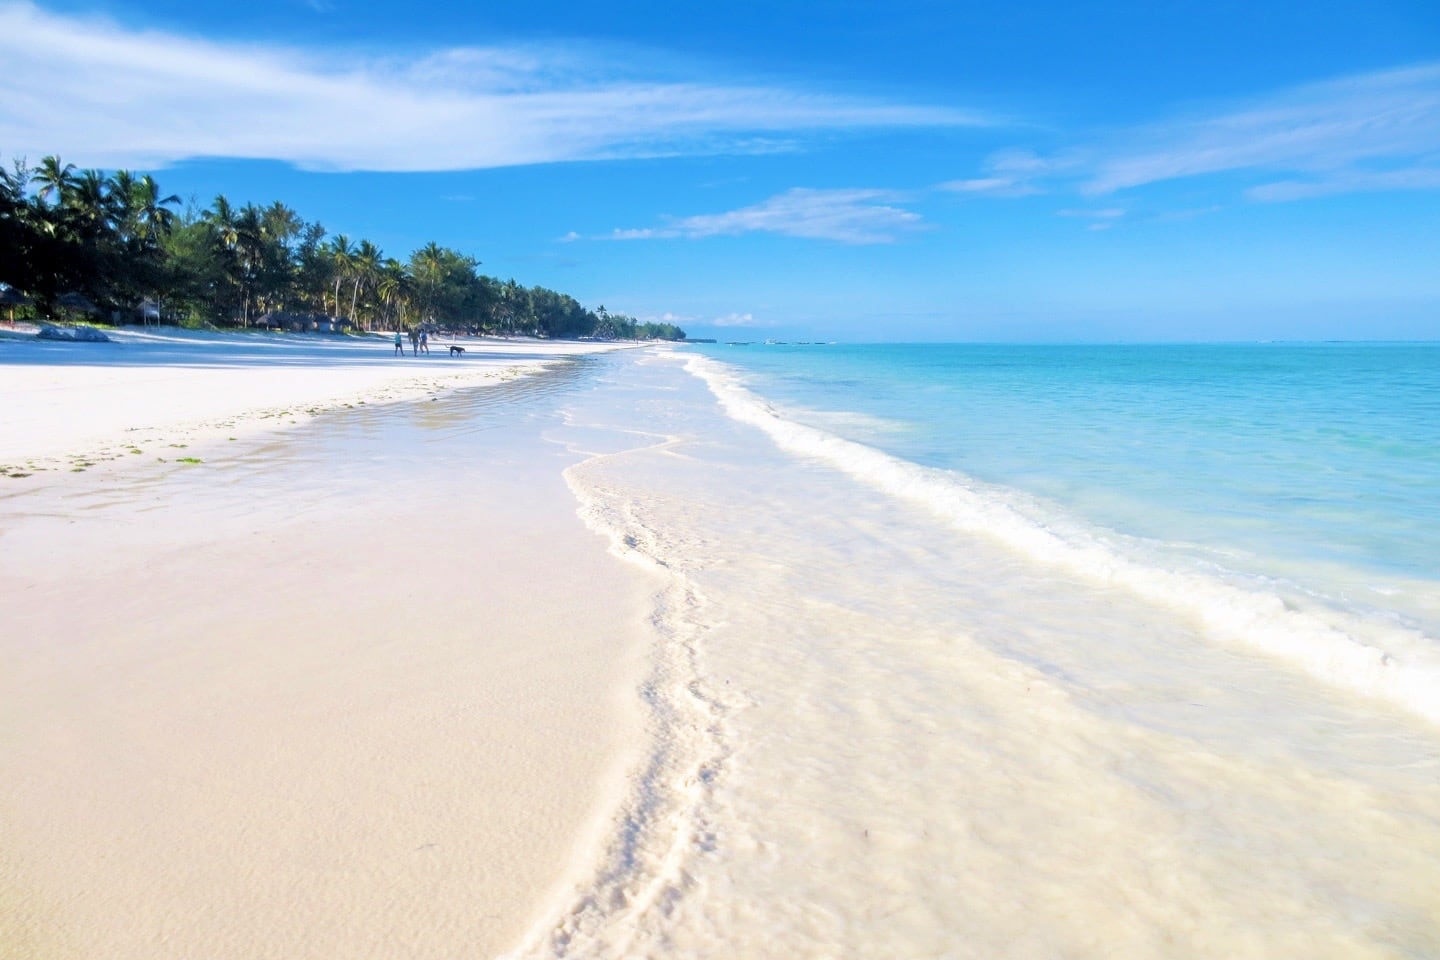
[[12, 298], [76, 302]]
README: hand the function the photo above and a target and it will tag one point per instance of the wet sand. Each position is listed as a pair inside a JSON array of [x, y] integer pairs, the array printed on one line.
[[360, 688]]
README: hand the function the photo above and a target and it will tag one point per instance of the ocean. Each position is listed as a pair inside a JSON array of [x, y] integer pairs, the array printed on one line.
[[1022, 651]]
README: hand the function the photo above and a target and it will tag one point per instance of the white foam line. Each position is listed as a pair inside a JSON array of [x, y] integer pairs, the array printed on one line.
[[662, 821], [1227, 612]]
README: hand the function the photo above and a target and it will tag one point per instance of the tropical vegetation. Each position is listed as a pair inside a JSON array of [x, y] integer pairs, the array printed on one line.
[[116, 246]]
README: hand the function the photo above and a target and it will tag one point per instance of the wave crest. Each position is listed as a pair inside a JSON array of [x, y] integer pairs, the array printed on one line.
[[1392, 664]]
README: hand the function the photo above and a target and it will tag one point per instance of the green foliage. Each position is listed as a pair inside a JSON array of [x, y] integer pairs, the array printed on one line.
[[617, 326], [121, 245]]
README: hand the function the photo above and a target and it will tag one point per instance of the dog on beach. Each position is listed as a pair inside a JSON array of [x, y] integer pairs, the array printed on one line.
[[456, 350]]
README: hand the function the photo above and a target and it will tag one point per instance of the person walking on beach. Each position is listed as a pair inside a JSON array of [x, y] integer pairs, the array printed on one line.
[[425, 341], [414, 343], [399, 343]]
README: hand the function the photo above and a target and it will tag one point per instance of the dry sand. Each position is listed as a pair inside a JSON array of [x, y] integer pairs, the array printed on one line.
[[234, 724], [67, 402]]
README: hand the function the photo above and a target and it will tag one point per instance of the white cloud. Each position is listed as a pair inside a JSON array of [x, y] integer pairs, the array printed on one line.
[[845, 216], [1333, 132], [726, 320], [1375, 131], [738, 320], [1101, 213], [991, 186], [1188, 213], [1012, 173], [1413, 178], [99, 94]]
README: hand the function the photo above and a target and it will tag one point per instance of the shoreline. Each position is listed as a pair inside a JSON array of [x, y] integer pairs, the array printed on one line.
[[161, 389], [307, 700], [891, 734]]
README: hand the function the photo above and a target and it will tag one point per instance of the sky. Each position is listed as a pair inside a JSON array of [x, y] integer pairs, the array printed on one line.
[[918, 170]]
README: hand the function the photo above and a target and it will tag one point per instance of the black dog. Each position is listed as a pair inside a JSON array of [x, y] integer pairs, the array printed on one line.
[[456, 350]]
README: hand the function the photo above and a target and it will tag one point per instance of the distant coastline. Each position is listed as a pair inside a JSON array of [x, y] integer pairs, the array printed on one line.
[[84, 245]]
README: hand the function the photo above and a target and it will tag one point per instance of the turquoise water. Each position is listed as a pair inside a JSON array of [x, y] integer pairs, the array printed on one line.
[[1021, 652], [1318, 463]]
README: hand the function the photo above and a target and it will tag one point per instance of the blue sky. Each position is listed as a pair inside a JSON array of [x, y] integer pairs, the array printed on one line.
[[848, 170]]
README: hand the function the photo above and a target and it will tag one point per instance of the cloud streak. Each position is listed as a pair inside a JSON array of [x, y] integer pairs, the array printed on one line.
[[1329, 132], [844, 216], [1411, 178], [1010, 173], [103, 95], [1375, 131]]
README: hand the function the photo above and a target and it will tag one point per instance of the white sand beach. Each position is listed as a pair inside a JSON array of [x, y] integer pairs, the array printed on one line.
[[66, 401], [384, 682], [284, 702]]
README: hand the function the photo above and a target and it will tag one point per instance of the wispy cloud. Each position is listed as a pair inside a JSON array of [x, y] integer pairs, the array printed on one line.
[[1011, 173], [990, 186], [1101, 218], [1425, 177], [1375, 131], [738, 320], [693, 320], [1330, 132], [1187, 213], [845, 216], [100, 94], [1101, 213]]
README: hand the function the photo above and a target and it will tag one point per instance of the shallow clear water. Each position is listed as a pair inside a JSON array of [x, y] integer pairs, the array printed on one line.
[[1228, 478], [912, 700], [1288, 455]]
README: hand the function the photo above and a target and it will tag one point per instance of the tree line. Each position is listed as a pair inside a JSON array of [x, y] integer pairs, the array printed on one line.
[[116, 245]]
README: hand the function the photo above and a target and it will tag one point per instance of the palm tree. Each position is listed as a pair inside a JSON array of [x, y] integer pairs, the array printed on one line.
[[17, 227], [366, 270], [235, 232], [55, 181], [132, 263], [152, 211], [429, 265], [222, 216], [342, 259], [250, 245], [396, 287], [274, 271], [91, 201], [121, 190], [516, 305], [83, 225], [281, 223]]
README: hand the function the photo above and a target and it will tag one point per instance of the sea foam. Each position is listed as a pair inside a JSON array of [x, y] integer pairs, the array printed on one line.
[[1380, 660]]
